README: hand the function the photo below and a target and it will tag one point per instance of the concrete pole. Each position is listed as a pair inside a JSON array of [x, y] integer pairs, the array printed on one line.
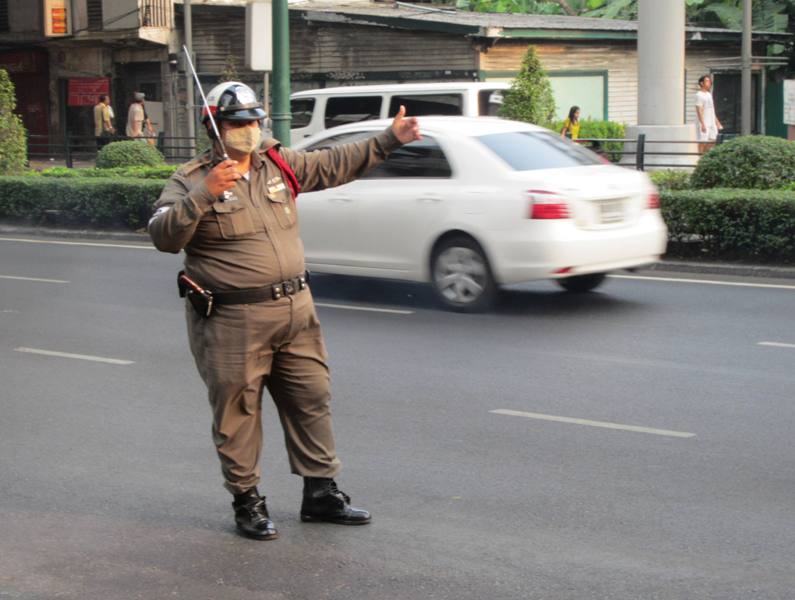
[[189, 97], [745, 81], [661, 62], [280, 114]]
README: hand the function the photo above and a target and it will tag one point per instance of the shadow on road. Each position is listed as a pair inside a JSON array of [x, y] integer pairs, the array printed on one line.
[[523, 300]]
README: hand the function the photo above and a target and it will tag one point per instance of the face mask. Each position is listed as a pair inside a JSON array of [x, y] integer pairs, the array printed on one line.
[[243, 139]]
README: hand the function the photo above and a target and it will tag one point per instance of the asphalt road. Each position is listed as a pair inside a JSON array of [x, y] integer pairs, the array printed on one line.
[[642, 448]]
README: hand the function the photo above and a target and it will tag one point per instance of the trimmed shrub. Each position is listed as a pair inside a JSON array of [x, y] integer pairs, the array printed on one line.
[[107, 203], [129, 153], [530, 97], [13, 142], [750, 162], [731, 224], [592, 128], [161, 172], [671, 179]]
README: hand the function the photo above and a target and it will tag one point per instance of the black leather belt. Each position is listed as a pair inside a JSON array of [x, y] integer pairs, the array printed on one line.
[[204, 300], [261, 294]]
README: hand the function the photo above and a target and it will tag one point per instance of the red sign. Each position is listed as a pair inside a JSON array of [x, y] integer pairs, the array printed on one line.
[[85, 91], [58, 20]]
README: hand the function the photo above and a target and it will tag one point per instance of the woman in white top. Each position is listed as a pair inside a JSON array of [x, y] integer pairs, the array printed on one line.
[[707, 125]]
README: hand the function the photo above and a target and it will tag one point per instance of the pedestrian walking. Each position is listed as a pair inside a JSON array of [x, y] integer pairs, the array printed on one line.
[[250, 315], [138, 123], [707, 123], [571, 125], [103, 122]]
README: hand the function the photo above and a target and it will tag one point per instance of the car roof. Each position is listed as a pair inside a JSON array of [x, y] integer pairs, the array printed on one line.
[[405, 87], [468, 126]]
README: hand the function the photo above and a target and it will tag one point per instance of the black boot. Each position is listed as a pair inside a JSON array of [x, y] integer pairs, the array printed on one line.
[[251, 516], [323, 501]]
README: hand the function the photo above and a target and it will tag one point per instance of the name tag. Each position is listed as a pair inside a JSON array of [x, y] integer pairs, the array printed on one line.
[[275, 189]]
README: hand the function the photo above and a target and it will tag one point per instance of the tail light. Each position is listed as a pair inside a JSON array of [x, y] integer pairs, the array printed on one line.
[[654, 201], [547, 205]]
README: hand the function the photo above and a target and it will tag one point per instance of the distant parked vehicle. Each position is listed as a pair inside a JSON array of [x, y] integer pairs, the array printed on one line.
[[478, 203], [316, 110]]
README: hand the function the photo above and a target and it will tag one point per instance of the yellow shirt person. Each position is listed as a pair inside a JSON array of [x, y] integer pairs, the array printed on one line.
[[571, 125]]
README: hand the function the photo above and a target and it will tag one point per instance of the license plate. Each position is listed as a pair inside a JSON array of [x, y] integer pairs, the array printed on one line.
[[611, 212]]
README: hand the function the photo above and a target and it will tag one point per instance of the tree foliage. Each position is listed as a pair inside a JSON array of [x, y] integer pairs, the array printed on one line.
[[13, 149], [530, 97], [768, 15]]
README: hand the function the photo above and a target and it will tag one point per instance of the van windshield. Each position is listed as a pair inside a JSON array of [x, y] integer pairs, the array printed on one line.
[[535, 150]]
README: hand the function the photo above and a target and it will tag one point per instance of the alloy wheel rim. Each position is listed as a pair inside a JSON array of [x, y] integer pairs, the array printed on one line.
[[460, 275]]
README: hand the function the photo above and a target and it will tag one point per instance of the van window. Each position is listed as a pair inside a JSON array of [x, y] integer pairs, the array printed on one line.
[[428, 104], [490, 102], [350, 109], [423, 158], [302, 112]]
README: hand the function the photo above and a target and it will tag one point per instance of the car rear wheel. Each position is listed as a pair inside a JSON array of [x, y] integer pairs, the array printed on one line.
[[461, 275], [580, 284]]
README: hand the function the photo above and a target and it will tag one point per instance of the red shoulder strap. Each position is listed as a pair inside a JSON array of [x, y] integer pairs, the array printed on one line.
[[287, 173]]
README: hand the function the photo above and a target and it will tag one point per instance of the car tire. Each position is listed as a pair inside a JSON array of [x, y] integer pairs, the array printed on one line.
[[461, 275], [579, 284]]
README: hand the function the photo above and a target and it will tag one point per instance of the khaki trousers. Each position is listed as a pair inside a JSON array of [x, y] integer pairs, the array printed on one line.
[[242, 349]]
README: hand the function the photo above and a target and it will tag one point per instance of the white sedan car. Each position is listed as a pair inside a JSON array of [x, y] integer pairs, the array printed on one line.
[[479, 203]]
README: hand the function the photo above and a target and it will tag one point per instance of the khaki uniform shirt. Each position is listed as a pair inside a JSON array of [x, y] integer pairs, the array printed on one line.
[[101, 116], [252, 240]]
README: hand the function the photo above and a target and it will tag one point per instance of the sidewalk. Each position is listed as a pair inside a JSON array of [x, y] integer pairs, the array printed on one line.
[[673, 266]]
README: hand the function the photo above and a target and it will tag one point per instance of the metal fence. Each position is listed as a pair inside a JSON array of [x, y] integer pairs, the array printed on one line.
[[626, 151], [70, 148]]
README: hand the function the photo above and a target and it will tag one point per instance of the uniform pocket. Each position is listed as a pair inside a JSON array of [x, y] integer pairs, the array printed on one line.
[[283, 207], [234, 219]]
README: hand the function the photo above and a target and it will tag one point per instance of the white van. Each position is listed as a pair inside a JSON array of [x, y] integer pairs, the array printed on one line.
[[316, 110]]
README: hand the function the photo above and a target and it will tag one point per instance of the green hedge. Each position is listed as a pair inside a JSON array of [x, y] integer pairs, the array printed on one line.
[[671, 179], [759, 162], [731, 224], [161, 172], [129, 153], [593, 129], [102, 203]]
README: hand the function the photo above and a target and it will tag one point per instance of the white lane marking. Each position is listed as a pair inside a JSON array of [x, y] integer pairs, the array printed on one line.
[[604, 424], [102, 359], [392, 311], [62, 243], [706, 282], [776, 344], [19, 278]]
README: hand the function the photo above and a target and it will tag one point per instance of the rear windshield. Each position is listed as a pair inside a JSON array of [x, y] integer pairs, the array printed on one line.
[[531, 150]]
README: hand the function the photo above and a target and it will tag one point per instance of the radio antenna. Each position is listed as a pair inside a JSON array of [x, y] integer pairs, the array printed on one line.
[[206, 104]]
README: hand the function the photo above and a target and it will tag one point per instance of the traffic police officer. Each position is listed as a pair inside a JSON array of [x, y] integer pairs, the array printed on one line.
[[251, 319]]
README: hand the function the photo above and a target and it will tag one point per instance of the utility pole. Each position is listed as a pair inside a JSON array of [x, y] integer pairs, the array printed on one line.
[[280, 114], [189, 78], [745, 104]]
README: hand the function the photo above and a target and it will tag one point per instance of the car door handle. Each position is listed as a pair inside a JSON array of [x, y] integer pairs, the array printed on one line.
[[430, 198], [345, 199]]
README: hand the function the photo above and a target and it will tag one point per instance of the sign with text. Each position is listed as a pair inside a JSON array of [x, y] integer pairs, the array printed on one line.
[[57, 18], [85, 91]]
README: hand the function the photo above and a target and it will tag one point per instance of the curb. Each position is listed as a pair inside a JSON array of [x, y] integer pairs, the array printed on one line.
[[670, 266], [735, 269], [83, 234]]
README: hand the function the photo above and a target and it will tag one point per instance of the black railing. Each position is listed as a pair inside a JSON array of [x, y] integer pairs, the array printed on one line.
[[70, 148], [615, 149]]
